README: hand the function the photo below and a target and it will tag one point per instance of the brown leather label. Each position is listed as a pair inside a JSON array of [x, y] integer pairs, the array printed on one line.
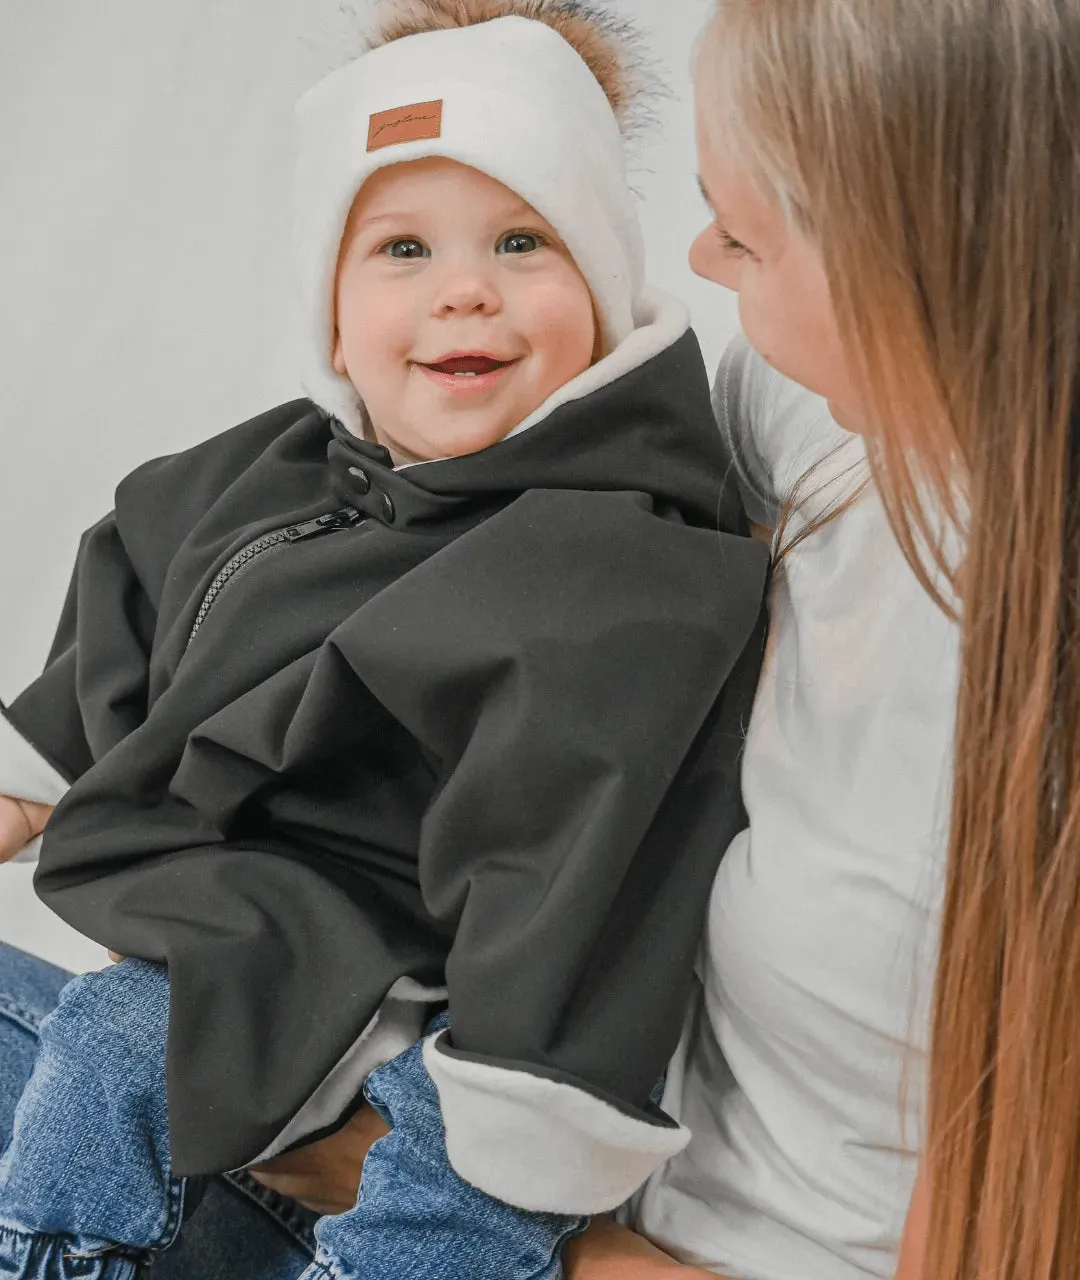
[[405, 124]]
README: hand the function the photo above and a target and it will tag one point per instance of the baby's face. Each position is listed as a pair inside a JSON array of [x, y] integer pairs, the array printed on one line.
[[459, 310]]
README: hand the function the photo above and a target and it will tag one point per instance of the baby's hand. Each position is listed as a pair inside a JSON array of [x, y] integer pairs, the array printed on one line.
[[20, 822]]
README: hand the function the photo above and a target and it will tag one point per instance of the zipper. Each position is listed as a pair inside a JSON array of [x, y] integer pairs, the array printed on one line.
[[332, 522]]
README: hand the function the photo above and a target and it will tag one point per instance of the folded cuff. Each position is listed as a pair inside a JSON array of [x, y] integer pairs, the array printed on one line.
[[29, 852], [25, 774], [540, 1143]]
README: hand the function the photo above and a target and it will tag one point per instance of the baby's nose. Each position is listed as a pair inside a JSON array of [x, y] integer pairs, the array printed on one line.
[[467, 290]]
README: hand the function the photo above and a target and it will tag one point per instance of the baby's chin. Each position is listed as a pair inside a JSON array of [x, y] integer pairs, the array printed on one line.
[[453, 438]]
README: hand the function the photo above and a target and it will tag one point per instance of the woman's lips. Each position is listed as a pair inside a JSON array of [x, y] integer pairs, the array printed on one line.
[[466, 374]]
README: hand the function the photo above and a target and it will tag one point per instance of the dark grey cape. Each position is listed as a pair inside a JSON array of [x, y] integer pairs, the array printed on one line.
[[487, 726]]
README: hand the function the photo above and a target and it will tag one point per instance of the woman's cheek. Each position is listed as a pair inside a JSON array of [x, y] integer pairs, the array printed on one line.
[[755, 325], [774, 332]]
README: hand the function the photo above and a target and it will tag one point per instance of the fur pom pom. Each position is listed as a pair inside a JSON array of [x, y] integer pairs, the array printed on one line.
[[611, 47]]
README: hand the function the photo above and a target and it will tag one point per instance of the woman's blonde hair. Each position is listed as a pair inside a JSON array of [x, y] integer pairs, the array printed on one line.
[[931, 150]]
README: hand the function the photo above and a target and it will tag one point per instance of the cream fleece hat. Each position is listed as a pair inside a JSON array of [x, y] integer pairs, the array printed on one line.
[[509, 97]]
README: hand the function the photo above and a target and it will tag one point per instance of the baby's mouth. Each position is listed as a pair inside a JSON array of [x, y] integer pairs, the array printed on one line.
[[466, 374], [468, 366]]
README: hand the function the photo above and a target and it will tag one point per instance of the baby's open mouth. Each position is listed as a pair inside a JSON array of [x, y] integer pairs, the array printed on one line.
[[469, 374], [468, 366]]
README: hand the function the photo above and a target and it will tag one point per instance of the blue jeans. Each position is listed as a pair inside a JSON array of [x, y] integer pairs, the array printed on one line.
[[415, 1218], [86, 1189], [243, 1231]]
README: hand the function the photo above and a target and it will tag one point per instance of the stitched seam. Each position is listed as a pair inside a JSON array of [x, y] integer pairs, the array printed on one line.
[[564, 1238], [283, 1209], [323, 1266], [29, 1019], [174, 1214], [274, 1206], [104, 1254], [37, 1240]]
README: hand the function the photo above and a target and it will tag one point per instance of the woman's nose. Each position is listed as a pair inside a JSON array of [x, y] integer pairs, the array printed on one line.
[[708, 260], [467, 289]]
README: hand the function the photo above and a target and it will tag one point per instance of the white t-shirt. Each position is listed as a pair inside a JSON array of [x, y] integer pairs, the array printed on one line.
[[801, 1069]]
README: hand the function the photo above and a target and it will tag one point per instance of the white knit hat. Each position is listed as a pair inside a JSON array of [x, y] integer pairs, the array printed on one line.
[[509, 97]]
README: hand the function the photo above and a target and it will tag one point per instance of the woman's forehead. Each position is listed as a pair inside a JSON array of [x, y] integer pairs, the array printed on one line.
[[733, 191]]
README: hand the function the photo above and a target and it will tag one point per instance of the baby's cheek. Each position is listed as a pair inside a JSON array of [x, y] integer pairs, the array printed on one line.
[[563, 329], [376, 320]]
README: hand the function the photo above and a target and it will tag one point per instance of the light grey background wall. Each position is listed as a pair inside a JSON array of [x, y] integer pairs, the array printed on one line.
[[144, 272]]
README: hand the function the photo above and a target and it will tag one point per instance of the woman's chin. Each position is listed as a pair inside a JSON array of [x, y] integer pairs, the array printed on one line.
[[843, 417]]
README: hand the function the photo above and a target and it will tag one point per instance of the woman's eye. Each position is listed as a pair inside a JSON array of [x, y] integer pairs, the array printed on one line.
[[406, 249], [729, 244], [521, 242]]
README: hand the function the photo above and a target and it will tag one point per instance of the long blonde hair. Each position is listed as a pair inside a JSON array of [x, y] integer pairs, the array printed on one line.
[[931, 149]]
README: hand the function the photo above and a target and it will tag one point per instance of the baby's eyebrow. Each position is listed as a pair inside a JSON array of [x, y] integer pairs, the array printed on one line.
[[386, 217], [512, 213]]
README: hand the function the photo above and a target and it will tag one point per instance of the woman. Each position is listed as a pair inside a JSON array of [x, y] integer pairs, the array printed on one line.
[[897, 190]]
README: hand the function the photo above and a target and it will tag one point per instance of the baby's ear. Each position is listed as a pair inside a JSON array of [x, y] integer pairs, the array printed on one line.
[[338, 357]]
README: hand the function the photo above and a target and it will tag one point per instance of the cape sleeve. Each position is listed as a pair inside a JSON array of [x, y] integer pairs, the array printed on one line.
[[584, 693], [564, 689], [93, 688]]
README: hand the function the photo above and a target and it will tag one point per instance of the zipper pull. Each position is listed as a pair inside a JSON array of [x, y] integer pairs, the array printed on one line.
[[344, 518]]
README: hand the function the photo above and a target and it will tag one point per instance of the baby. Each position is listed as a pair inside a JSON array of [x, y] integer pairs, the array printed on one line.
[[420, 697]]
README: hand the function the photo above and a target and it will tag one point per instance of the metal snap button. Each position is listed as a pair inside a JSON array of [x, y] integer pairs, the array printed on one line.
[[388, 508], [363, 481]]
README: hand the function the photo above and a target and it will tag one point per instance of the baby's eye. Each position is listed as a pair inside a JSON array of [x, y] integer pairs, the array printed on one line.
[[406, 249], [521, 242]]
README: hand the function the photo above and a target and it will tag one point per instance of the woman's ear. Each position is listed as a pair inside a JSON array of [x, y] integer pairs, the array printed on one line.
[[338, 357]]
